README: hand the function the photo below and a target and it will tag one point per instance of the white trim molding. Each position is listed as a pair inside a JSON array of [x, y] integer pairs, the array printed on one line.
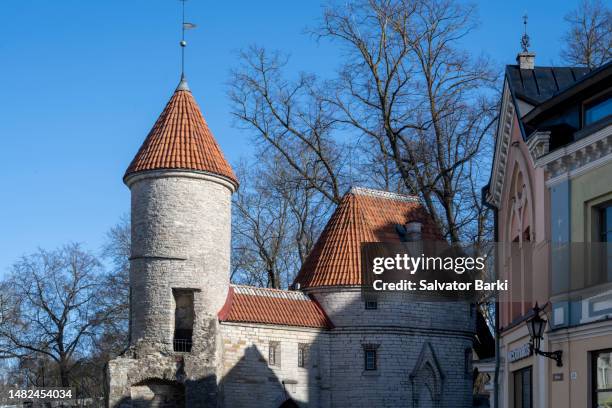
[[538, 144], [577, 158], [502, 147]]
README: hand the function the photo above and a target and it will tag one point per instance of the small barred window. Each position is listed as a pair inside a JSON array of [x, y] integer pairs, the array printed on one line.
[[371, 304], [302, 354], [274, 353]]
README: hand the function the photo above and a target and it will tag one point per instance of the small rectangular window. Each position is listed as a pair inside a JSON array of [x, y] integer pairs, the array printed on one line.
[[302, 354], [371, 304], [370, 358], [597, 110], [183, 319], [274, 353]]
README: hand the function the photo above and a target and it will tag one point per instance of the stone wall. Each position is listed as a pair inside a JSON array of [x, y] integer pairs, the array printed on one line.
[[422, 352], [346, 308], [181, 224], [181, 240], [405, 361], [249, 381], [420, 346]]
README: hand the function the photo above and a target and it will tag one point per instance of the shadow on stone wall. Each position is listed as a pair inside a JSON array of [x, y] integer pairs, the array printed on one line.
[[419, 366], [251, 382], [420, 352], [169, 389], [421, 363]]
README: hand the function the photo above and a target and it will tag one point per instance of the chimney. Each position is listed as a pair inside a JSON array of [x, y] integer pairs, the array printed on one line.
[[525, 60], [413, 231]]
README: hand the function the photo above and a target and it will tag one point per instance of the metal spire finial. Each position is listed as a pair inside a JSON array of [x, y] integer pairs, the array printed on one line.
[[525, 38], [183, 43]]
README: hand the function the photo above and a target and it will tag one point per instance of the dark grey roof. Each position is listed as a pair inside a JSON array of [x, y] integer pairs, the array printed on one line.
[[541, 83], [599, 78]]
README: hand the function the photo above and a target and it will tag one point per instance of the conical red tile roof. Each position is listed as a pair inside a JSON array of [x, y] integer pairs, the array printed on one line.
[[181, 139], [364, 215]]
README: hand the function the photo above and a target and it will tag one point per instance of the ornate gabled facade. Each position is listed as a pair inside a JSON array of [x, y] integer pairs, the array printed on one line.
[[548, 192], [198, 341], [523, 89]]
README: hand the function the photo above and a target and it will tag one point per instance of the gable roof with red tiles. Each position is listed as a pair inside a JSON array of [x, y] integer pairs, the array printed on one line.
[[363, 215], [248, 304], [181, 140]]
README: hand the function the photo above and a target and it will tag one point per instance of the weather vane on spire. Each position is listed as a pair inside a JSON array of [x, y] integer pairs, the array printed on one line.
[[525, 38], [183, 43]]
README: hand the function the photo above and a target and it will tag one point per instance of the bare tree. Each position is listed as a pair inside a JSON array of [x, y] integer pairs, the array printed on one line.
[[420, 105], [260, 232], [277, 216], [588, 41], [116, 251], [116, 248], [408, 86], [53, 308], [290, 117]]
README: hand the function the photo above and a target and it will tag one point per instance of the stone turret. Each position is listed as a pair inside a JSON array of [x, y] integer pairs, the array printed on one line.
[[181, 188]]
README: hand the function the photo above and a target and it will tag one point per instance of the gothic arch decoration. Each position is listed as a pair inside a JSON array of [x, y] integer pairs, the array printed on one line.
[[519, 222], [518, 193], [427, 380]]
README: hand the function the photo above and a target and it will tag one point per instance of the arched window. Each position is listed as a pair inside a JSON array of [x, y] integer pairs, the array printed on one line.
[[519, 237]]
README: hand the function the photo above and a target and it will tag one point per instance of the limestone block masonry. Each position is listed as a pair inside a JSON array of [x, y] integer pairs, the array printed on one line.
[[180, 240], [422, 350], [422, 356], [181, 226], [248, 378]]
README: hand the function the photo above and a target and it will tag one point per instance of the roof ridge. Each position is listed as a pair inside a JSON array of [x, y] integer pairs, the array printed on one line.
[[238, 285], [270, 292], [356, 190], [549, 67]]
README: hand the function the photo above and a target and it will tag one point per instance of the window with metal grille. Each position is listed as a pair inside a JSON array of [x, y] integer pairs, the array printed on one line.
[[302, 354], [274, 353]]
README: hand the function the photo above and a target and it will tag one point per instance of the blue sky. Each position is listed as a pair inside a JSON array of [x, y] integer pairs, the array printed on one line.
[[81, 83]]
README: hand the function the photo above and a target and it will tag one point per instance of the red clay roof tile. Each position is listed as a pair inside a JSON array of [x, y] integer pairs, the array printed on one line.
[[248, 304], [181, 139], [364, 215]]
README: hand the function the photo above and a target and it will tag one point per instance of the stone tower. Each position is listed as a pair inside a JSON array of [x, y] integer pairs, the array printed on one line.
[[181, 188]]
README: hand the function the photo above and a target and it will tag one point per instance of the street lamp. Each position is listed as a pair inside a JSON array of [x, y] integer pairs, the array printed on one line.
[[536, 326]]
